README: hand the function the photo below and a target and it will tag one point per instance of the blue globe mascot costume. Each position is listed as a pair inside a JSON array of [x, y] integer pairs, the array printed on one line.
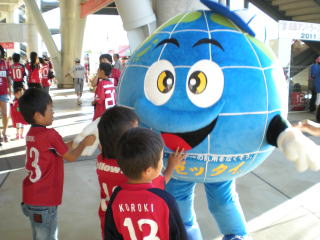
[[207, 85]]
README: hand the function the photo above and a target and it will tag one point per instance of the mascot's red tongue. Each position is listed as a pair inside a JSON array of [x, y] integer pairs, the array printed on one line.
[[173, 141]]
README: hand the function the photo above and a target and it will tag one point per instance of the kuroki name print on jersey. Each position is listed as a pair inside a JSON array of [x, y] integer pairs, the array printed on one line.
[[136, 207]]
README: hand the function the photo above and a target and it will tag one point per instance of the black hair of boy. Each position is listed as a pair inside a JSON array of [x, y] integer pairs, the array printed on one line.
[[139, 149], [41, 60], [2, 52], [113, 123], [106, 68], [32, 101], [17, 89], [16, 57], [107, 56]]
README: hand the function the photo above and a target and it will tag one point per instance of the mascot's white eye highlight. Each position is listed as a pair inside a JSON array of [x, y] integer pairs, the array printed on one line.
[[205, 83], [159, 82]]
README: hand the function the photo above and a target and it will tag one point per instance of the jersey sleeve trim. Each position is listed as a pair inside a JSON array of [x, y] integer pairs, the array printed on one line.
[[177, 229], [110, 228]]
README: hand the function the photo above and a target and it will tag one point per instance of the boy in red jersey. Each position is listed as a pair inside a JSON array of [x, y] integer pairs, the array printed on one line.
[[5, 92], [105, 94], [17, 72], [16, 117], [42, 187], [44, 71], [33, 68], [112, 125], [138, 210], [115, 73]]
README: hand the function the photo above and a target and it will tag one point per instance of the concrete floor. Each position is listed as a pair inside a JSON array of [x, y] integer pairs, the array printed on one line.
[[279, 203]]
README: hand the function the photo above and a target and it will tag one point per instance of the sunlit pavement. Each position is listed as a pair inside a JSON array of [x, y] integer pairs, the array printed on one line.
[[279, 202]]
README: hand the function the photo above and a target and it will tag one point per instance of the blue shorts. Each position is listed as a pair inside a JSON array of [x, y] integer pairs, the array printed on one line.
[[4, 98]]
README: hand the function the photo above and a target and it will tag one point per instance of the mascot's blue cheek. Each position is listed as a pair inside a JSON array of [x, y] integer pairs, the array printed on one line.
[[206, 86]]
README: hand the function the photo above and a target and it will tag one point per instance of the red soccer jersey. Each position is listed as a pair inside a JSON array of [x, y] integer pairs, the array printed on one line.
[[16, 116], [140, 211], [44, 70], [4, 73], [17, 72], [105, 97], [110, 176], [115, 74], [33, 74], [44, 183]]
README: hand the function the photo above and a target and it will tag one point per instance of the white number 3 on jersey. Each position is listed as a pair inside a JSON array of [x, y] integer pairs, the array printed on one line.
[[36, 173]]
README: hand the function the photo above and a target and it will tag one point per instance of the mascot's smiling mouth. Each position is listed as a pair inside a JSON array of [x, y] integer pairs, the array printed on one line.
[[187, 140]]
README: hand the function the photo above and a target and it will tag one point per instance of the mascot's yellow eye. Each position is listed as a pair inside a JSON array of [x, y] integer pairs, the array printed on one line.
[[197, 82], [165, 81]]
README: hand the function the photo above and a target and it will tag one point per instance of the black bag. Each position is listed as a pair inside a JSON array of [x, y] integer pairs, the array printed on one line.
[[50, 74]]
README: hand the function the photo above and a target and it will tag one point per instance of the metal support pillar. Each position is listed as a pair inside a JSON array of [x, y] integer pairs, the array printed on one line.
[[72, 31], [166, 9], [138, 20]]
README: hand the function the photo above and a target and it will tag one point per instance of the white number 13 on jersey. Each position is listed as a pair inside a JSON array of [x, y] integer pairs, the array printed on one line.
[[153, 228]]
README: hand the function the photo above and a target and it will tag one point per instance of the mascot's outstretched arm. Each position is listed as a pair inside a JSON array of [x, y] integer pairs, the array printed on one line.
[[90, 129], [296, 146]]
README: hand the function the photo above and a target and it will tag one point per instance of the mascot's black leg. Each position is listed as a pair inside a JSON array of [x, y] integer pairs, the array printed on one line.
[[277, 125]]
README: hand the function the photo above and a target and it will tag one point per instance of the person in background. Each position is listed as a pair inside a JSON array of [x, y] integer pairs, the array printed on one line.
[[140, 153], [115, 73], [105, 94], [45, 150], [17, 72], [312, 89], [5, 93], [78, 73], [44, 71], [17, 119], [117, 63], [315, 74], [51, 75], [33, 68]]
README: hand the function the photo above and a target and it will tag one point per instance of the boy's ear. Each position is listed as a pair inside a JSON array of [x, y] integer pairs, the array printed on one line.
[[148, 171], [37, 116]]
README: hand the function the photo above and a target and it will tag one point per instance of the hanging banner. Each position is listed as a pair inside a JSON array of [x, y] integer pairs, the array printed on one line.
[[299, 30], [92, 6], [7, 45]]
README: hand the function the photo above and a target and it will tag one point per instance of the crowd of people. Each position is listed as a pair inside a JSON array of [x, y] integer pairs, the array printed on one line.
[[16, 77], [37, 72]]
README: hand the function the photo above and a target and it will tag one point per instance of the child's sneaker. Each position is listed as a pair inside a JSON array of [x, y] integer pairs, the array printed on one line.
[[236, 237], [16, 138]]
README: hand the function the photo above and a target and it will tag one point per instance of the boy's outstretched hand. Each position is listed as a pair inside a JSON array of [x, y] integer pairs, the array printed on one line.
[[176, 157], [89, 140], [309, 126], [174, 160], [74, 153]]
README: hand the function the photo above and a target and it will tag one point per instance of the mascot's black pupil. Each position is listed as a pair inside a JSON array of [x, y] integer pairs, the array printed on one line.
[[165, 81], [197, 82]]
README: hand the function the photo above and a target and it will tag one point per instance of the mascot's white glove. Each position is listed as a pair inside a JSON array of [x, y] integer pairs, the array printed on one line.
[[299, 149], [91, 129]]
